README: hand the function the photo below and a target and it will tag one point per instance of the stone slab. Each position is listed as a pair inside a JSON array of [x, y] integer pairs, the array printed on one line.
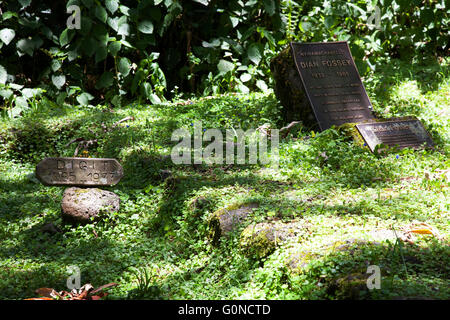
[[332, 83], [79, 171], [401, 133]]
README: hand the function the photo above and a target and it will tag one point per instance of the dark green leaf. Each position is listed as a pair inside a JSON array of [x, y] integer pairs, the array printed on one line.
[[88, 3], [269, 6], [114, 48], [124, 66], [101, 14], [25, 3], [100, 54], [105, 81]]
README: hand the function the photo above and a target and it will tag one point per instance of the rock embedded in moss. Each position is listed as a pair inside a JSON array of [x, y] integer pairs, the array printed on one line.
[[352, 286], [289, 89], [261, 239], [225, 220], [79, 205], [350, 130], [298, 260]]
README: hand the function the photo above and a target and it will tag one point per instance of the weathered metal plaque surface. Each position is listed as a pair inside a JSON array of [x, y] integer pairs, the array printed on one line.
[[401, 133], [332, 83], [79, 171]]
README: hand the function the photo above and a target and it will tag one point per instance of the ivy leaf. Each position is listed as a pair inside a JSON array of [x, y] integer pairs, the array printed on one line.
[[3, 75], [25, 3], [114, 23], [114, 48], [101, 14], [145, 26], [225, 66], [261, 85], [26, 46], [234, 21], [245, 77], [59, 80], [55, 64], [124, 66], [65, 37], [6, 93], [203, 2], [254, 53], [84, 98], [112, 5], [6, 35], [21, 102], [61, 97], [30, 93]]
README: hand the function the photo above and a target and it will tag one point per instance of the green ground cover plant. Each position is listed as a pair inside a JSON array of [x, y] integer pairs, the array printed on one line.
[[157, 245]]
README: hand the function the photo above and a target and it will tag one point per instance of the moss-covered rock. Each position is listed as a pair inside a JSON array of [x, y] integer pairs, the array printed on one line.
[[289, 89], [225, 220], [260, 240], [352, 286], [79, 205], [350, 130], [298, 260]]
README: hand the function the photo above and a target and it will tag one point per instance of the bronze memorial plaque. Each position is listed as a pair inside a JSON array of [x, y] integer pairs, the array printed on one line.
[[79, 171], [332, 83], [401, 133]]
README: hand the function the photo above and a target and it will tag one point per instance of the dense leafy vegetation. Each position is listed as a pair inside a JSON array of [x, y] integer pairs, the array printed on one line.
[[151, 50], [157, 246]]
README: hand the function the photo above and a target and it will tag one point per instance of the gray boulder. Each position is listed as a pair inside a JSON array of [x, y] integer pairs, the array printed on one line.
[[223, 221], [79, 205], [261, 239]]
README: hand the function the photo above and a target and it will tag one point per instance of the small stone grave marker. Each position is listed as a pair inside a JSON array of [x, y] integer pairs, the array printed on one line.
[[82, 172], [402, 133]]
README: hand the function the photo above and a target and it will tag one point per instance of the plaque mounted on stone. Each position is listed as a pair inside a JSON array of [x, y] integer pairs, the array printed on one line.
[[402, 133], [320, 85], [82, 172]]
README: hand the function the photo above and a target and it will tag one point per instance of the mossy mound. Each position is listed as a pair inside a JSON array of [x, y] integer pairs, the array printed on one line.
[[352, 286], [298, 259], [260, 240], [225, 220]]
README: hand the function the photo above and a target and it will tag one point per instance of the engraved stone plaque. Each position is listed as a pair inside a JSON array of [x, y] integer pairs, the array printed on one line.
[[79, 171], [332, 83], [401, 133]]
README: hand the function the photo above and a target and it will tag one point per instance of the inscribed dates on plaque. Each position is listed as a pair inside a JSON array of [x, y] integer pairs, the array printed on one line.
[[332, 83], [79, 171]]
